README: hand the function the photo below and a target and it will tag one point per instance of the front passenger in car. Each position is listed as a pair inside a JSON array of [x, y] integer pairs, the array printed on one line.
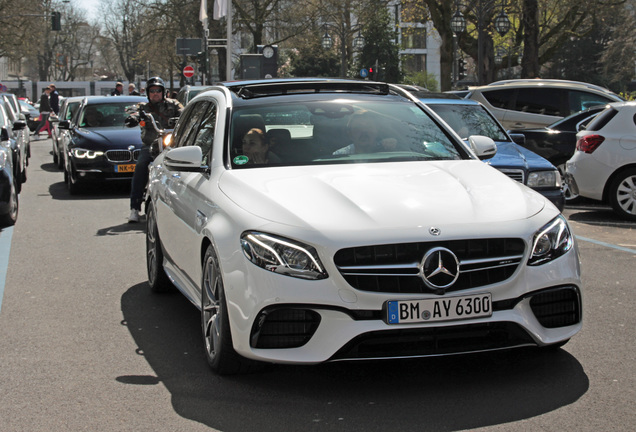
[[256, 148]]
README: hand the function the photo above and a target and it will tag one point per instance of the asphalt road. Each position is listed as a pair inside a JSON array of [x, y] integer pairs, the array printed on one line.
[[84, 345]]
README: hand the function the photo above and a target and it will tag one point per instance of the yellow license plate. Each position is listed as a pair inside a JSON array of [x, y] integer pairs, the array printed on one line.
[[125, 168]]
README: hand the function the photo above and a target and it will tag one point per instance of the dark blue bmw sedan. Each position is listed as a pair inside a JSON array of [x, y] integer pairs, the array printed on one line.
[[467, 117], [99, 147]]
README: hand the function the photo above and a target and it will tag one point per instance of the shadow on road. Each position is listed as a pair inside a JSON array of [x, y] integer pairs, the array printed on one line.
[[440, 394]]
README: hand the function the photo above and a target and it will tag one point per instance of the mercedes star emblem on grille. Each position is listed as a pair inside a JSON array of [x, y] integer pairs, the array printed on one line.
[[439, 268]]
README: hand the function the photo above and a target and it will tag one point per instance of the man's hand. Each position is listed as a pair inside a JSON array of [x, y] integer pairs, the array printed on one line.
[[131, 121]]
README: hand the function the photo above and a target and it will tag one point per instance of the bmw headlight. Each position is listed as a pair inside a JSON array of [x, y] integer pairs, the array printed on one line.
[[281, 255], [540, 179], [551, 241], [81, 153]]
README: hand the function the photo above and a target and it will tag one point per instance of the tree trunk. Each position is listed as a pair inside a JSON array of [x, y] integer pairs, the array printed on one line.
[[530, 23]]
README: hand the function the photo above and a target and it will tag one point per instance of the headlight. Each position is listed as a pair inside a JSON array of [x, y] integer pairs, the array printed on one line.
[[539, 179], [281, 255], [550, 242], [80, 153]]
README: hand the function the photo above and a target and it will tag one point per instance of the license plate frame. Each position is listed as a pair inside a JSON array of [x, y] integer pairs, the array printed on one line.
[[125, 168], [455, 308]]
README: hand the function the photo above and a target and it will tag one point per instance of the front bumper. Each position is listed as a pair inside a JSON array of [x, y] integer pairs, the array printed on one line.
[[538, 306]]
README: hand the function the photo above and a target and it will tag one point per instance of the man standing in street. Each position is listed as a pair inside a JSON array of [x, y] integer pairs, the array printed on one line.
[[132, 91], [119, 90], [54, 99], [162, 110]]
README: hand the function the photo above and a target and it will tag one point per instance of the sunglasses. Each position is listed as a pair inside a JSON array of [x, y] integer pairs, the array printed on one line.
[[155, 91]]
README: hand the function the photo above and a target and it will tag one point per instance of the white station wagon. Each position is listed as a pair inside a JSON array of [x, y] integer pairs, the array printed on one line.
[[328, 220]]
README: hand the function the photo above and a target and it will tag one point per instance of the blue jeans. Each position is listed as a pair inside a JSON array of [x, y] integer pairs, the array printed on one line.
[[140, 178]]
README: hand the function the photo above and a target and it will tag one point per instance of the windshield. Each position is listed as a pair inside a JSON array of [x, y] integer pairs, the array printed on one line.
[[103, 115], [469, 120], [336, 131]]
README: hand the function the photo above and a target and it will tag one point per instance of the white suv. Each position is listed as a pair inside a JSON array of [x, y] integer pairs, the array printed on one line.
[[522, 104]]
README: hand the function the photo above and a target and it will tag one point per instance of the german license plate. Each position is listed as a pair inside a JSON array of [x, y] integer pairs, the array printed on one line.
[[441, 309], [125, 168]]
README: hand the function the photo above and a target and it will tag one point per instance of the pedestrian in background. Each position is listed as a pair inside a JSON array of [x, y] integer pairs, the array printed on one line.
[[119, 89], [45, 111], [54, 99], [132, 90]]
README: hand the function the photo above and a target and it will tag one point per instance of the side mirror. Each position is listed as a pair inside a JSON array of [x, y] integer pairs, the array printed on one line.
[[64, 124], [4, 134], [19, 125], [484, 147], [188, 159], [518, 138]]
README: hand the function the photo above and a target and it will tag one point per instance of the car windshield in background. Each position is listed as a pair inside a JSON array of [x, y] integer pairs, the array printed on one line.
[[469, 120], [338, 131], [104, 115]]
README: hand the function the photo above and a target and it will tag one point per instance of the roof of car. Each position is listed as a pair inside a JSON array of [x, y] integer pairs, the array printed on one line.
[[114, 99], [535, 82]]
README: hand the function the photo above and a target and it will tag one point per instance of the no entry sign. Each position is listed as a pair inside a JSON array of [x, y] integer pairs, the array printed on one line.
[[188, 71]]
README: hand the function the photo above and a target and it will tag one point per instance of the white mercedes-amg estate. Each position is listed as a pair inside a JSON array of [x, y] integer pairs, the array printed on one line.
[[326, 220]]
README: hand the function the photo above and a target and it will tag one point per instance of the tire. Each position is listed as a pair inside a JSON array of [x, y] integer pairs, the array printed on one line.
[[215, 323], [11, 217], [157, 278], [56, 159], [72, 186], [622, 194]]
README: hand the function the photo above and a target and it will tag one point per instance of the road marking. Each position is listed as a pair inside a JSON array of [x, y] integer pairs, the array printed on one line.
[[5, 249], [609, 245]]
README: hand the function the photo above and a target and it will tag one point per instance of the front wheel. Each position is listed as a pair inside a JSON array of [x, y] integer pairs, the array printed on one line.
[[623, 194], [157, 278], [11, 217], [215, 322]]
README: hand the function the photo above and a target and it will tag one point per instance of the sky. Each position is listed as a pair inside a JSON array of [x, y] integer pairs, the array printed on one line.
[[90, 6]]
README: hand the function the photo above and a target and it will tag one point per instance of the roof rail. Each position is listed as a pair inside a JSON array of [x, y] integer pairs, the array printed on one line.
[[250, 90], [555, 81]]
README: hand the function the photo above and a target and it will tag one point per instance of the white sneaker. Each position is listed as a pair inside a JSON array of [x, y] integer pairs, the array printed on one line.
[[134, 216]]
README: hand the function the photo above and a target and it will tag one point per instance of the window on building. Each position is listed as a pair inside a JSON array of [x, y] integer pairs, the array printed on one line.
[[413, 63], [413, 38]]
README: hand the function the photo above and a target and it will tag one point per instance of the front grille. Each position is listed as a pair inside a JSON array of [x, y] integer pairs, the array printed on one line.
[[515, 174], [557, 307], [434, 341], [284, 328], [119, 156], [394, 268]]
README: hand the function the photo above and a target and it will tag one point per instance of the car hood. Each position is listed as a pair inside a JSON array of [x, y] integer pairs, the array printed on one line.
[[511, 155], [107, 137], [389, 196]]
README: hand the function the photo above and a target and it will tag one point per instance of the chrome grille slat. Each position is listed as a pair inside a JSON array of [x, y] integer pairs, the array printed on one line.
[[515, 174], [118, 156]]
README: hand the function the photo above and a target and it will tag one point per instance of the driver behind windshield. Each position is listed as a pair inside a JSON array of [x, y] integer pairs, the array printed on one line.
[[363, 131]]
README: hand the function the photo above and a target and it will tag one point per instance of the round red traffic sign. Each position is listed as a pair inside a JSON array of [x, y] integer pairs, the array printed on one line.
[[188, 71]]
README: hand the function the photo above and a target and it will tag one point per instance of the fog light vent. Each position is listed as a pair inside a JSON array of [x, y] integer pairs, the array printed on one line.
[[558, 307], [284, 328]]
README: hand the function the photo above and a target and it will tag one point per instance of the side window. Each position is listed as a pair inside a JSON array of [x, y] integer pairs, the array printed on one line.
[[499, 98], [545, 101], [186, 125], [205, 135], [579, 100]]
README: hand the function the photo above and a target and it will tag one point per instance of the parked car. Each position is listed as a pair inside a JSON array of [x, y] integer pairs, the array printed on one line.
[[468, 117], [532, 103], [21, 133], [604, 164], [16, 129], [189, 92], [102, 151], [68, 107], [398, 242], [9, 203], [31, 114], [557, 142]]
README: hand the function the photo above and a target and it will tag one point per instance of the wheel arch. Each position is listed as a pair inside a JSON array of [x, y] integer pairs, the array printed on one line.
[[612, 177]]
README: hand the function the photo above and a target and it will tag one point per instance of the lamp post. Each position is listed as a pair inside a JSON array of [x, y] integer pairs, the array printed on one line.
[[501, 24], [458, 25]]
